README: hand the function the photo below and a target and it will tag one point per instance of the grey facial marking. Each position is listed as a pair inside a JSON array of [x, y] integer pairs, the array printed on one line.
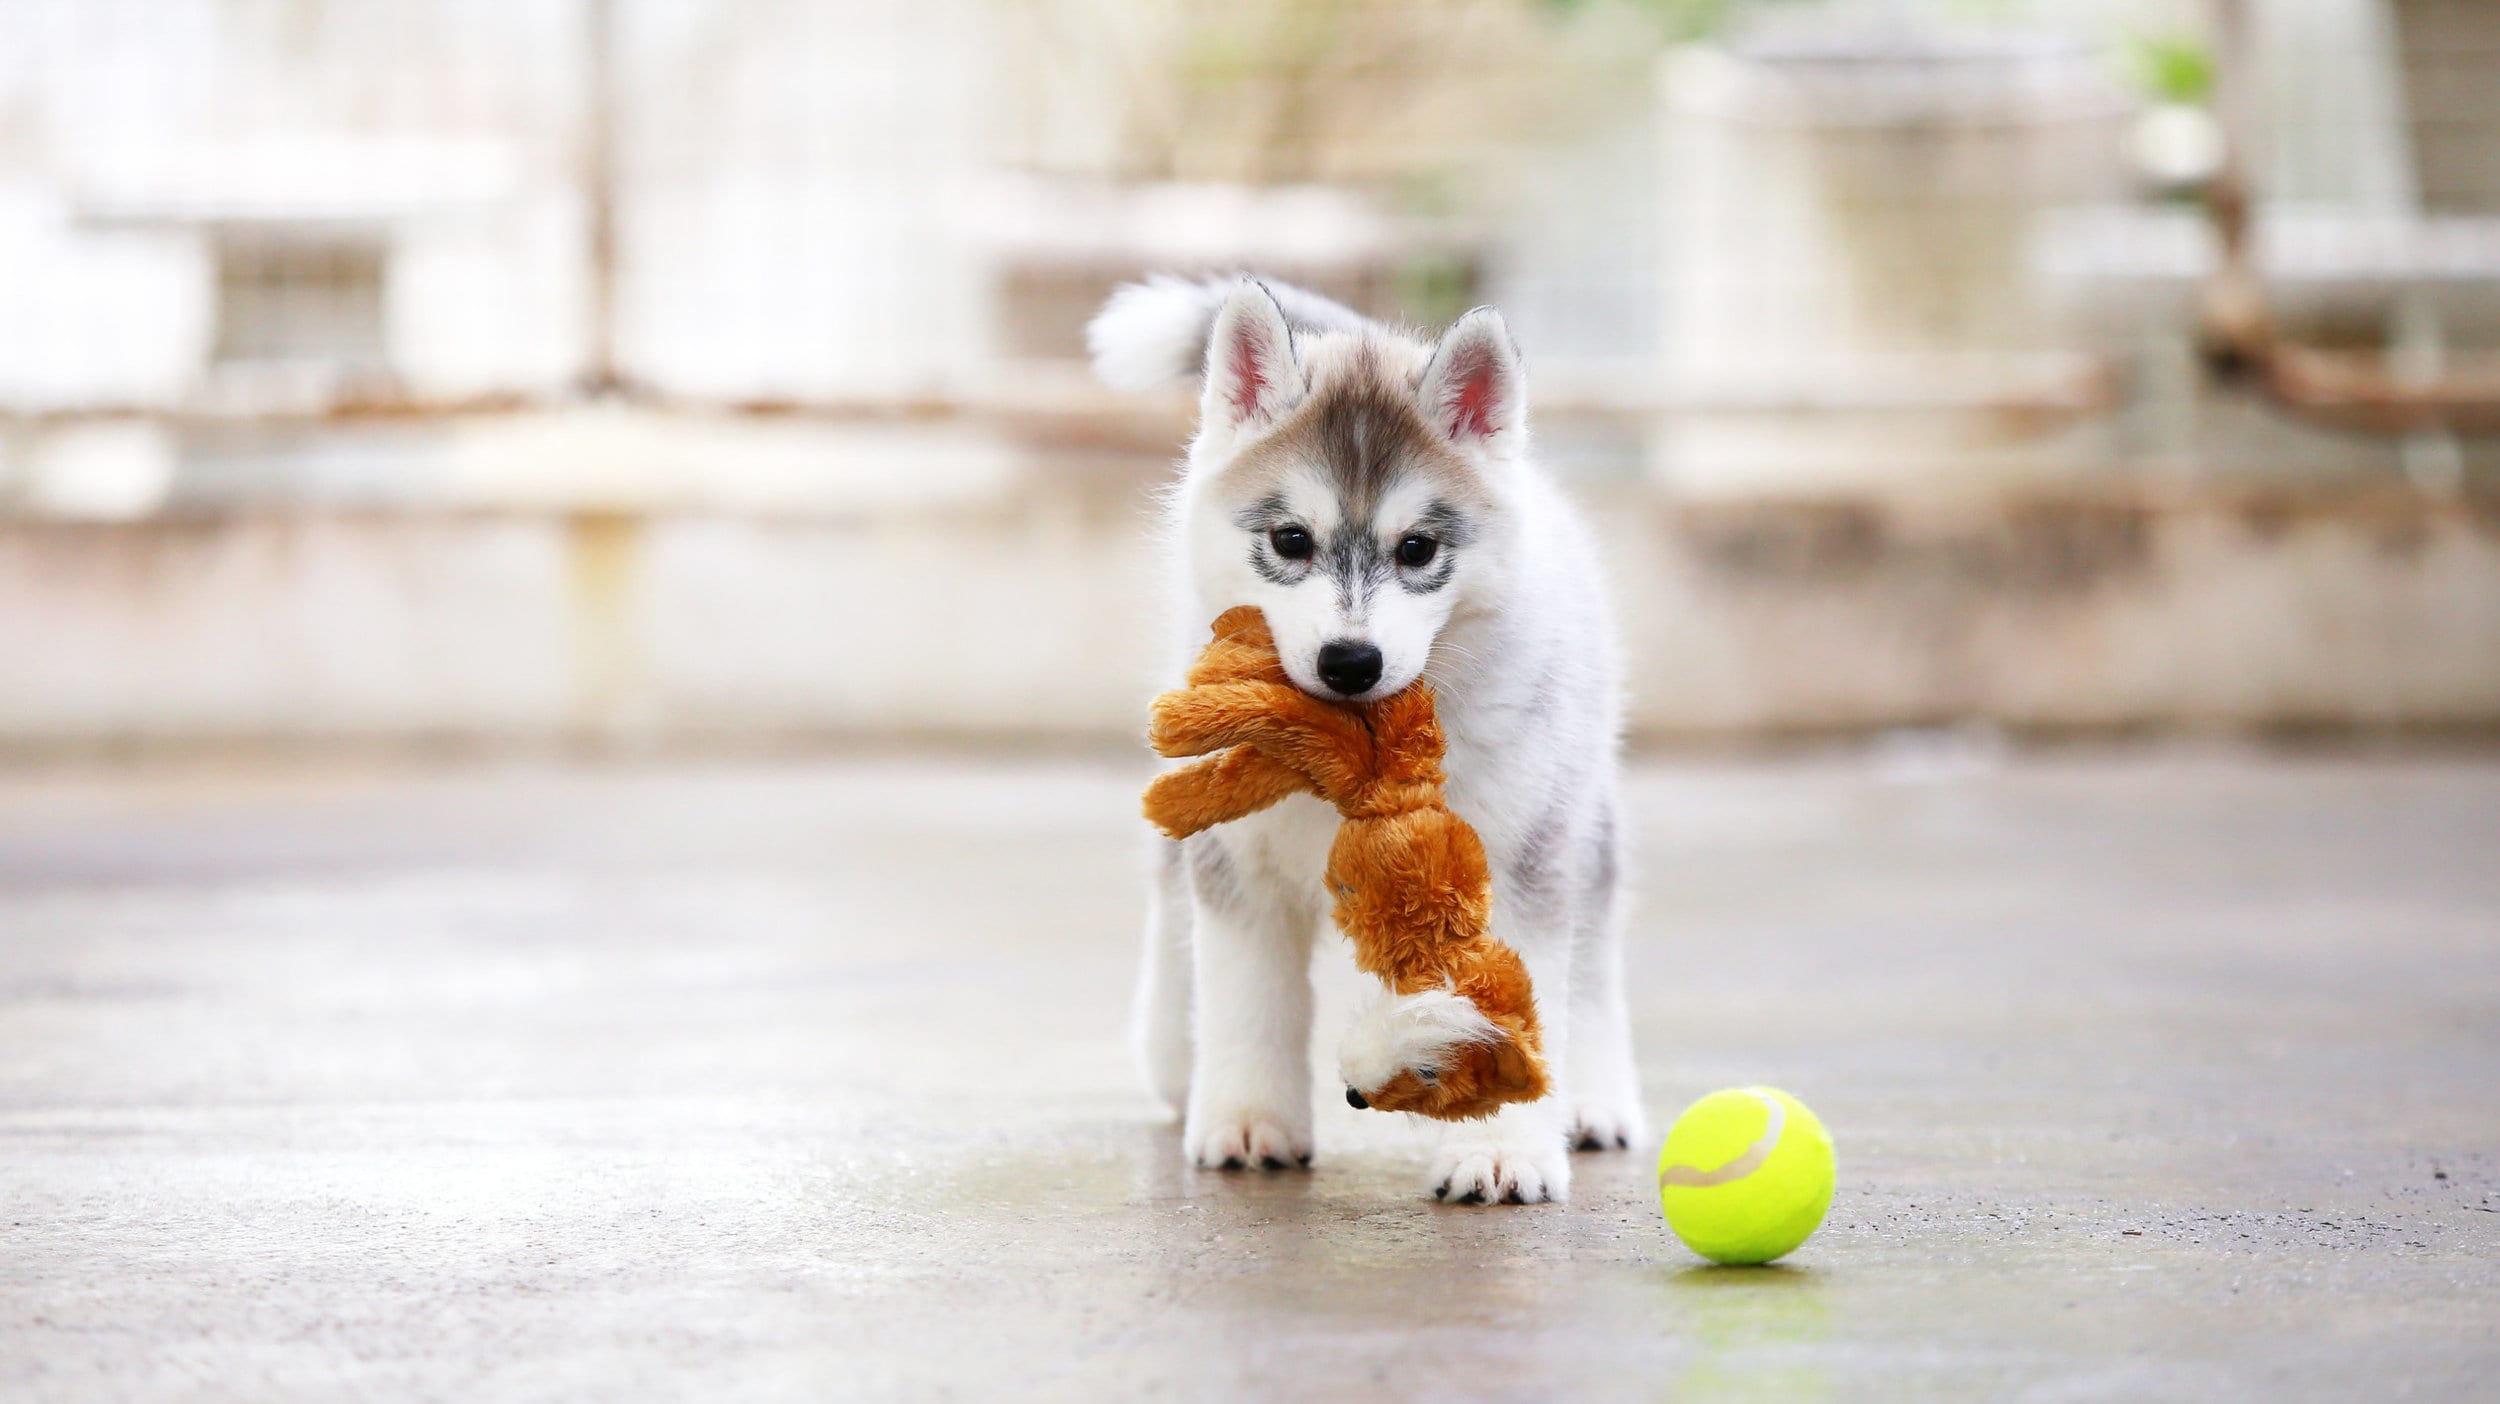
[[1355, 562], [1435, 576], [1365, 431], [1272, 568], [1264, 515], [1362, 433], [1446, 524], [1450, 527], [1258, 519]]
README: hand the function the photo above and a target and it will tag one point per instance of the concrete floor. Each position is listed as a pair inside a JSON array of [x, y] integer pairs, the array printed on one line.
[[2153, 1076]]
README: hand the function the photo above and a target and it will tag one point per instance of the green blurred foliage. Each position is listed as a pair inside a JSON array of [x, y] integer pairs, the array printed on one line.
[[2174, 68], [1682, 21], [1433, 288], [1678, 21]]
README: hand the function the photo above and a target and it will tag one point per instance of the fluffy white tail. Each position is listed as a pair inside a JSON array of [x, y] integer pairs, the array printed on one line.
[[1156, 331]]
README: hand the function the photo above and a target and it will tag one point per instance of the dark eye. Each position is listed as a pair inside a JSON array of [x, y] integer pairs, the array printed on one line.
[[1417, 551], [1428, 1074], [1291, 542]]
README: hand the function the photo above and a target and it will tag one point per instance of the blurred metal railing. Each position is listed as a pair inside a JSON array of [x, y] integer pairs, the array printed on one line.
[[2367, 391]]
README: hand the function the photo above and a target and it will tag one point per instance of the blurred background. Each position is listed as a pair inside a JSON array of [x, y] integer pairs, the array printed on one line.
[[574, 633], [648, 372]]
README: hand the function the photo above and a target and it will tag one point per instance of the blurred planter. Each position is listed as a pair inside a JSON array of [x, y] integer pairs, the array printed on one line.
[[1849, 293], [1063, 245]]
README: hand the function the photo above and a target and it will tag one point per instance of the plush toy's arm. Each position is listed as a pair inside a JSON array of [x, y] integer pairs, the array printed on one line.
[[1326, 744], [1240, 782], [1243, 780]]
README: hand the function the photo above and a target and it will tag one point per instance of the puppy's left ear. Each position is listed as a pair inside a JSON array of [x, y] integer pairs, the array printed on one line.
[[1473, 389], [1253, 377]]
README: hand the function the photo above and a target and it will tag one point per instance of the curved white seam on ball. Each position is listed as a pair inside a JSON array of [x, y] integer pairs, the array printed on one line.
[[1688, 1177]]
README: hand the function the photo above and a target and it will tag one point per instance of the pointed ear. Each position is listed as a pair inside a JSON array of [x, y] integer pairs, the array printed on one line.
[[1252, 376], [1473, 389]]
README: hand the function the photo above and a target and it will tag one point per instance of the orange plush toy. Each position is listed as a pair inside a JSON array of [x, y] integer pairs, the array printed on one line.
[[1455, 1035]]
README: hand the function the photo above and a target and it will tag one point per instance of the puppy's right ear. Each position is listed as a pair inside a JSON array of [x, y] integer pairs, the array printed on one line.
[[1473, 389], [1253, 377]]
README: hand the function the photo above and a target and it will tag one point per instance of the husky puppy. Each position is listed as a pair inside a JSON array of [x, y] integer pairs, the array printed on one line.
[[1373, 494]]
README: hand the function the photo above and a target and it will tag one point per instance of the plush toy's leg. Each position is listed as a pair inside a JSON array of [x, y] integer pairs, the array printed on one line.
[[1521, 1154], [1239, 782], [1605, 1081], [1250, 1083], [1159, 1027]]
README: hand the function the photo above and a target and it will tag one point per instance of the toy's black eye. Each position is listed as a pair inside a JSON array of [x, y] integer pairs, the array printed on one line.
[[1291, 542], [1416, 550]]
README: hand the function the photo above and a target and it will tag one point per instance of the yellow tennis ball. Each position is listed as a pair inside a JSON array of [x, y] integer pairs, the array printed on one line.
[[1745, 1175]]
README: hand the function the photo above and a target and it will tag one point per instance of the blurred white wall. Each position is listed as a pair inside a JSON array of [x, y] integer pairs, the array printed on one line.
[[799, 187], [1878, 363], [802, 198]]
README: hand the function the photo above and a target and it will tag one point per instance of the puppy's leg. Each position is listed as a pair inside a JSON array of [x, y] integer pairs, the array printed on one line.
[[1250, 1092], [1605, 1081], [1522, 1153], [1159, 1025]]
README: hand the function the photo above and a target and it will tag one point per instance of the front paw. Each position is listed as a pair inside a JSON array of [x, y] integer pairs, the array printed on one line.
[[1600, 1123], [1496, 1169], [1246, 1140]]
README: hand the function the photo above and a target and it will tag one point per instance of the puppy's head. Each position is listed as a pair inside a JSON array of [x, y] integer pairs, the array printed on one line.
[[1351, 485]]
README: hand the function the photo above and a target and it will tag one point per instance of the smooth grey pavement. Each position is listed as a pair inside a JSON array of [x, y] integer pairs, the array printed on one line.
[[2155, 1075]]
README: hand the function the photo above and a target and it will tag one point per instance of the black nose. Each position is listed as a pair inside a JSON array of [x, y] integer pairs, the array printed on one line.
[[1355, 1100], [1348, 666]]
